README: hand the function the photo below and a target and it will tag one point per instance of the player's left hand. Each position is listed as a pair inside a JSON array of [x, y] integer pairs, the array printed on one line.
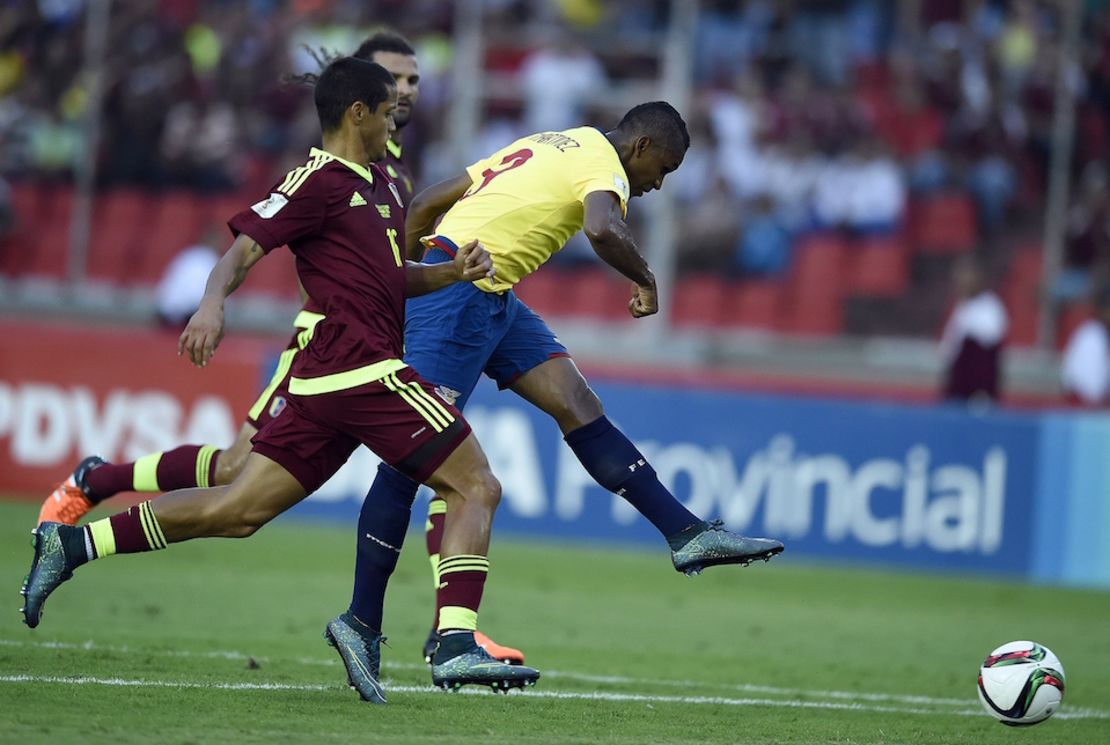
[[644, 302], [473, 262]]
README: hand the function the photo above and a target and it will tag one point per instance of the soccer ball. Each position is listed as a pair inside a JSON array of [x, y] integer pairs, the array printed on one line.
[[1021, 683]]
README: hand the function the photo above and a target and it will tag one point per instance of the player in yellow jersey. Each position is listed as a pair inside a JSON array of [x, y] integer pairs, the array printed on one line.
[[523, 203]]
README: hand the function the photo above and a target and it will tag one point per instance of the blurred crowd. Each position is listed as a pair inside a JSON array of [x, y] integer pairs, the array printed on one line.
[[807, 114]]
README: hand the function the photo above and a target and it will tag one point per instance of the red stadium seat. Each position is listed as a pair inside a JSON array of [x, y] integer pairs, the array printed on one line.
[[17, 251], [274, 276], [816, 287], [117, 225], [879, 267], [756, 304], [543, 291], [177, 220], [700, 301], [49, 246], [597, 293], [943, 224], [1020, 294]]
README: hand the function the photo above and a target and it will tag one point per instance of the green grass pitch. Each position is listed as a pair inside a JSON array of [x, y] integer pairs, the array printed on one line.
[[220, 641]]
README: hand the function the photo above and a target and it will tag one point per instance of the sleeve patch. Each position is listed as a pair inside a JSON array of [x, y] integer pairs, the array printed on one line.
[[621, 187], [270, 206]]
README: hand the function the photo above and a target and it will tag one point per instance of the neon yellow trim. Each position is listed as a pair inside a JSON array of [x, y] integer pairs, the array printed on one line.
[[457, 617], [204, 464], [393, 148], [144, 475], [155, 528], [445, 569], [463, 563], [344, 380], [306, 319], [103, 539], [315, 165], [434, 558], [147, 532], [432, 401], [290, 177], [437, 507], [285, 361], [360, 170], [394, 385]]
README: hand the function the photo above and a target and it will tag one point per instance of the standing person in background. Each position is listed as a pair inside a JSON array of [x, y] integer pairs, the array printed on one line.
[[1085, 367], [971, 346]]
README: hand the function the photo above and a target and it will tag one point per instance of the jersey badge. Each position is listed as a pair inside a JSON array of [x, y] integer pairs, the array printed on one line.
[[447, 394], [277, 406], [357, 200], [269, 207], [622, 187]]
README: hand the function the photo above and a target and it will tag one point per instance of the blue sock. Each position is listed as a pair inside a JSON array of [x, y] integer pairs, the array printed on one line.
[[616, 464], [382, 525]]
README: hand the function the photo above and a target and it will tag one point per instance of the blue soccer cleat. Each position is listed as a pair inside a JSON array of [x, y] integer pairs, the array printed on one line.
[[48, 570], [713, 545], [462, 662], [360, 648]]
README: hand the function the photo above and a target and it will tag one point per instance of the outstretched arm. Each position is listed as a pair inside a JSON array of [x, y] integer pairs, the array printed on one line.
[[426, 208], [206, 327], [471, 263], [611, 239]]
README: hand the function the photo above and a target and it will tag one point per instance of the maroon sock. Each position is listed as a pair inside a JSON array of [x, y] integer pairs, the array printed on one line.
[[187, 466], [462, 578], [124, 533], [109, 480], [181, 468]]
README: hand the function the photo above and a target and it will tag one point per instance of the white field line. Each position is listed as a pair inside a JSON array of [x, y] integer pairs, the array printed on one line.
[[560, 695], [852, 700]]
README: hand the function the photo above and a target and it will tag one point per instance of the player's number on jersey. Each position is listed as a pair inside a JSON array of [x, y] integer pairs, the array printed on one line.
[[510, 161], [391, 234]]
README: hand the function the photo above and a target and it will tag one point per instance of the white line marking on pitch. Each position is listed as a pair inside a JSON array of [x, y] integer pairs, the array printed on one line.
[[852, 698], [563, 695]]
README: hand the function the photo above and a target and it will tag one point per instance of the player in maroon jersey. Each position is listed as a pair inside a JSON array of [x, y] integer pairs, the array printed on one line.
[[344, 223], [94, 479]]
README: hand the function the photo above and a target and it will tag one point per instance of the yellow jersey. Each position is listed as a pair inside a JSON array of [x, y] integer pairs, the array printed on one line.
[[526, 200]]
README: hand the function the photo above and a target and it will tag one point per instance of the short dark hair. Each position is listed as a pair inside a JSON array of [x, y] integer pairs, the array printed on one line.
[[346, 80], [659, 121], [384, 41]]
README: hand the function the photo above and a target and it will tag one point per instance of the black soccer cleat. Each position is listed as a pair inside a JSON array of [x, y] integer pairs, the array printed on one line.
[[713, 545], [359, 647], [48, 570], [468, 664]]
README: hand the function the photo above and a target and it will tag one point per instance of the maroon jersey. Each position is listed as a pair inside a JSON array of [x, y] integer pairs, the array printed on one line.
[[344, 224], [399, 172]]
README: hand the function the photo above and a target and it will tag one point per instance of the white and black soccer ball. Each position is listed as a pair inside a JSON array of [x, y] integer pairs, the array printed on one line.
[[1021, 683]]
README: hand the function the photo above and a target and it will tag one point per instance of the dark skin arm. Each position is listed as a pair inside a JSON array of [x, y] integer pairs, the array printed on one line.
[[612, 241], [471, 263], [426, 208], [206, 328]]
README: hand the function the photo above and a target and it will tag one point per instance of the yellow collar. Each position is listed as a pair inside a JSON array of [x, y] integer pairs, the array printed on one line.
[[393, 148], [360, 170]]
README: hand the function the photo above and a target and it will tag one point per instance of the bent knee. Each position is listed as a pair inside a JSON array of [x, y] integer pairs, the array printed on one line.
[[578, 407]]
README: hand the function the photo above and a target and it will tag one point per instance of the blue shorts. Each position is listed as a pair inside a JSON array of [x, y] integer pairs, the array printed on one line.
[[454, 335]]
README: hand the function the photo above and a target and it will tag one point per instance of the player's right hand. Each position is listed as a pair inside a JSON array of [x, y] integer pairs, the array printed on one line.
[[473, 262], [644, 302], [202, 334]]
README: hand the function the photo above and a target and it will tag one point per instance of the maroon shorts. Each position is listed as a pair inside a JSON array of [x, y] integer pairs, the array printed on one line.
[[276, 393], [400, 418]]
